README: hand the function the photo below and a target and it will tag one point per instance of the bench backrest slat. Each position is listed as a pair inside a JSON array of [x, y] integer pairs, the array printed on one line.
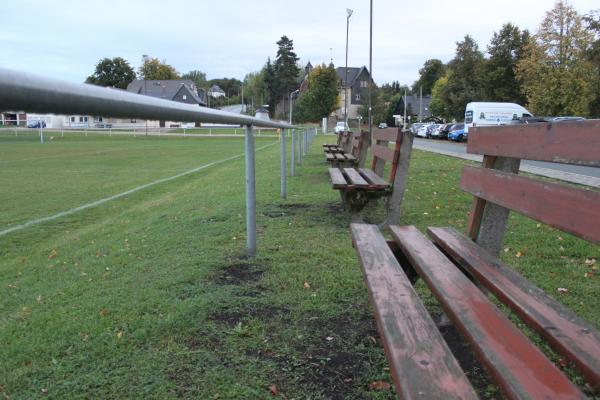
[[573, 210], [569, 209], [382, 138], [570, 142]]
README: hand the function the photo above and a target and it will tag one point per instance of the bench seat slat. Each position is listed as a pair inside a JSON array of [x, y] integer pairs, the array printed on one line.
[[337, 178], [355, 178], [422, 366], [569, 334], [570, 209], [374, 179], [339, 156], [330, 156], [516, 365]]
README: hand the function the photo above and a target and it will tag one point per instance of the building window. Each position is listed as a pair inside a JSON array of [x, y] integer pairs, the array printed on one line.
[[72, 119], [364, 84], [97, 119], [357, 97], [133, 121], [185, 97]]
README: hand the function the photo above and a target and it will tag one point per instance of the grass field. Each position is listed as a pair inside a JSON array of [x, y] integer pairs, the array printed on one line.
[[150, 295]]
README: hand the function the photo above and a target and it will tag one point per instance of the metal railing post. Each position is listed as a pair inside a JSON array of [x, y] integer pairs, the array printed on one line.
[[283, 165], [293, 153], [250, 192]]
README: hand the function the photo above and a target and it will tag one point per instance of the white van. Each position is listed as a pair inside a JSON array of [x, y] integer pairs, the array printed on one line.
[[482, 114]]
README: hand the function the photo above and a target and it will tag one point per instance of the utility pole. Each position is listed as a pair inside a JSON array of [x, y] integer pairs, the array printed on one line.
[[404, 119], [371, 75], [420, 103], [349, 12]]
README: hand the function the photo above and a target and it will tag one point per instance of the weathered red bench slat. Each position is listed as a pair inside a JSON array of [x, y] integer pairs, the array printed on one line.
[[337, 178], [383, 152], [573, 142], [513, 362], [354, 178], [374, 179], [421, 363], [570, 209], [570, 335]]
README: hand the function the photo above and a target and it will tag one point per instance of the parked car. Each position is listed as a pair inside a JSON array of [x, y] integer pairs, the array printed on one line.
[[341, 127], [36, 124], [422, 131], [443, 130], [433, 131], [414, 128], [458, 133], [382, 125]]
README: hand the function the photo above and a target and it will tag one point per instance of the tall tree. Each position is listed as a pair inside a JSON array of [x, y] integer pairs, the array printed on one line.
[[321, 98], [438, 106], [270, 86], [432, 71], [255, 89], [286, 68], [198, 77], [153, 69], [593, 24], [113, 72], [556, 72], [506, 49], [465, 83]]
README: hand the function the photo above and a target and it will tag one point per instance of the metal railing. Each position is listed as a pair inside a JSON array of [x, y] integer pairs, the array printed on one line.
[[31, 93]]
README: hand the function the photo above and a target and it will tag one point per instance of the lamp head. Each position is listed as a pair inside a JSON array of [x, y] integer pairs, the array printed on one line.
[[349, 11]]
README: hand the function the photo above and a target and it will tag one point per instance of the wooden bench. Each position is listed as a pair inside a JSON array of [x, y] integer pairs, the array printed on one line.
[[343, 140], [360, 186], [461, 271], [341, 159]]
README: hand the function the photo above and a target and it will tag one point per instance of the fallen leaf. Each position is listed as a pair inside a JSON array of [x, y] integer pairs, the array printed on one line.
[[104, 312], [53, 254], [506, 249], [306, 285], [329, 338], [273, 389], [562, 290], [120, 334], [590, 262], [562, 362], [379, 385], [518, 254], [588, 274]]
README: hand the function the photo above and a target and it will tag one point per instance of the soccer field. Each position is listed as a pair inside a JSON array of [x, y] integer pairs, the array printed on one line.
[[39, 180]]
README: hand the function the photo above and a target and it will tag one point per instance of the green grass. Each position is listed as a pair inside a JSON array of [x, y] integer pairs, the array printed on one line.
[[151, 296]]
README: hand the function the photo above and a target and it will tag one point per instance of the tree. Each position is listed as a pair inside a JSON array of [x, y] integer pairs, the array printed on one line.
[[437, 105], [198, 77], [321, 98], [593, 24], [432, 71], [286, 68], [506, 49], [270, 86], [465, 82], [154, 69], [254, 88], [557, 75], [112, 72]]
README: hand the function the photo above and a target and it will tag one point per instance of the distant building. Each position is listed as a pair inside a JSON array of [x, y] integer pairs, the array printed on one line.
[[416, 108], [182, 91], [216, 92], [358, 86]]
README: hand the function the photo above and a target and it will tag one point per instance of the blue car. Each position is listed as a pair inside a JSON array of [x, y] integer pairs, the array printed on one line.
[[457, 133], [36, 124]]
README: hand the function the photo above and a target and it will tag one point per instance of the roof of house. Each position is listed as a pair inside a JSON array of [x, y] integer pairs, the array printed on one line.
[[413, 103], [216, 89], [353, 73], [165, 89]]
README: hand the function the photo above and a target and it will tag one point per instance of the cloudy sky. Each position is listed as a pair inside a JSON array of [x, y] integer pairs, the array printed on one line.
[[229, 38]]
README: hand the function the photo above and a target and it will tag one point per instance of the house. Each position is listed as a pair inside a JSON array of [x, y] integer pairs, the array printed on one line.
[[182, 91], [417, 108], [216, 92], [358, 86]]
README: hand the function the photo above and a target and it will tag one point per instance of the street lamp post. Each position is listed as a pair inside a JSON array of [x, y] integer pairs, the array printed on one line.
[[349, 12], [291, 100]]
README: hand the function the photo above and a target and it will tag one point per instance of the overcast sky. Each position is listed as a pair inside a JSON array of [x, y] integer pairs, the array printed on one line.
[[229, 38]]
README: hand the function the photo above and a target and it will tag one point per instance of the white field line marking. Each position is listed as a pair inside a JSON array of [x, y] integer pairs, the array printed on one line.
[[117, 196]]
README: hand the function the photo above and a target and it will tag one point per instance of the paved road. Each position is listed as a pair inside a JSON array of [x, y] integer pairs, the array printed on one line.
[[462, 148]]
